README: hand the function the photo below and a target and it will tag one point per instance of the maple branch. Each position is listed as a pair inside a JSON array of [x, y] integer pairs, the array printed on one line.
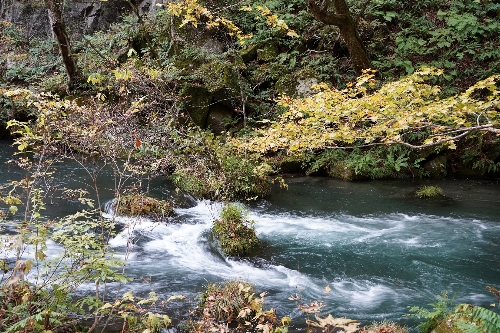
[[463, 132]]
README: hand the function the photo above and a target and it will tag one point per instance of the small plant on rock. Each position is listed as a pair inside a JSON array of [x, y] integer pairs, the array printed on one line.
[[141, 205], [429, 192], [234, 231], [384, 327]]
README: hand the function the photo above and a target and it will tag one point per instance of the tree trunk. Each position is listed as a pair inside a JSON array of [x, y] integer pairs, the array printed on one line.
[[343, 20], [54, 8]]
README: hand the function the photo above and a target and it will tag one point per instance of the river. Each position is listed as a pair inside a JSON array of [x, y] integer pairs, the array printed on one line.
[[377, 247]]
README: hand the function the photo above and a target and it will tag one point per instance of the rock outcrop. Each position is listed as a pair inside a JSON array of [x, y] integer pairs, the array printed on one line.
[[81, 16]]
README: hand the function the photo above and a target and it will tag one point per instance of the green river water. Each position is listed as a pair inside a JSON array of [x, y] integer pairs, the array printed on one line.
[[377, 247]]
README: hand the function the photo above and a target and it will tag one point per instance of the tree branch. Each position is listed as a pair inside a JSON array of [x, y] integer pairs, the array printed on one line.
[[321, 13], [464, 132]]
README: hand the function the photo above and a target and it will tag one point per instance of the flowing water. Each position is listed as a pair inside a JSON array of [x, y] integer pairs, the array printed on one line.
[[376, 247]]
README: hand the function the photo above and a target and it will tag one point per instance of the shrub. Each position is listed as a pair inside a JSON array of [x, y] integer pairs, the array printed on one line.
[[141, 205], [224, 301], [233, 306], [374, 162], [429, 192], [235, 233], [215, 173], [26, 307]]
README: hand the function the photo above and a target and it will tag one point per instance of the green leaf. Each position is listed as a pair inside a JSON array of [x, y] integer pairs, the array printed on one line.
[[13, 209]]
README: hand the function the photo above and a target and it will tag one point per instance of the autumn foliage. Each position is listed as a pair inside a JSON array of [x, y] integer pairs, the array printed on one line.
[[408, 112]]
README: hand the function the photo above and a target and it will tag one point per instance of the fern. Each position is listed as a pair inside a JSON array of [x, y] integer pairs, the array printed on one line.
[[440, 310], [467, 327], [489, 320], [476, 319]]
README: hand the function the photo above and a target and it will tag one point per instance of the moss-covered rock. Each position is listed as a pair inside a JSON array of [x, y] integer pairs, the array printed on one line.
[[341, 170], [436, 167], [249, 53], [219, 74], [197, 100], [141, 205], [428, 192], [289, 164], [297, 84]]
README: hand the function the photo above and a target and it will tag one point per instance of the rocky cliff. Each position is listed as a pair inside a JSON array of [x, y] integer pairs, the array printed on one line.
[[81, 16]]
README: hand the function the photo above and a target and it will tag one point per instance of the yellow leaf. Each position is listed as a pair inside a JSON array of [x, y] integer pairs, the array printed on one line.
[[171, 298], [286, 321]]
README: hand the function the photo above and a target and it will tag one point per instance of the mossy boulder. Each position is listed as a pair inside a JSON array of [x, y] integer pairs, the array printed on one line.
[[219, 75], [249, 53], [297, 84], [196, 100], [343, 171], [436, 167], [428, 192], [195, 37], [141, 205], [290, 164]]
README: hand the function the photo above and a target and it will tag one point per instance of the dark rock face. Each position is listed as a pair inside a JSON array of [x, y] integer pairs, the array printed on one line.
[[32, 16], [218, 118], [81, 16], [436, 167]]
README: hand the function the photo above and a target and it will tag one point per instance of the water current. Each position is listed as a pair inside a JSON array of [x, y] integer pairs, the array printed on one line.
[[376, 247]]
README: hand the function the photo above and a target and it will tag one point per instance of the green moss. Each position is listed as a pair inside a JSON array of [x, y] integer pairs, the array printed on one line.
[[297, 83], [436, 167], [235, 233], [249, 53], [141, 205], [219, 74], [268, 52], [429, 192]]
